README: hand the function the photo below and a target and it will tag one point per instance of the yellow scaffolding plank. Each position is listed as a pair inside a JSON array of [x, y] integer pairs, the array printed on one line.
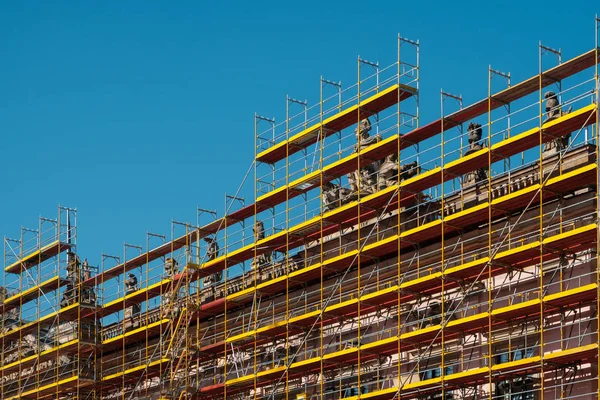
[[568, 116], [304, 271], [433, 224], [43, 319], [37, 256], [421, 176], [136, 331], [242, 293], [418, 281], [517, 363], [270, 371], [426, 382], [467, 373], [434, 329], [428, 225], [241, 379], [138, 293], [515, 307], [468, 211], [466, 158], [568, 352], [135, 369], [42, 355], [462, 321], [366, 297], [62, 382], [515, 194], [592, 287], [240, 336], [574, 232], [53, 283], [514, 139], [468, 265], [482, 371], [308, 135], [306, 362], [420, 332], [271, 282], [379, 343], [571, 174], [272, 326]]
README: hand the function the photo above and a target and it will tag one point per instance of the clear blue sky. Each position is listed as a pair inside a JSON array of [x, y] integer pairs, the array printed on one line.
[[137, 112]]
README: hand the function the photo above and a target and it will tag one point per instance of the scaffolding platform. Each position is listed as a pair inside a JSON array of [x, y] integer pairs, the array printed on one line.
[[37, 257]]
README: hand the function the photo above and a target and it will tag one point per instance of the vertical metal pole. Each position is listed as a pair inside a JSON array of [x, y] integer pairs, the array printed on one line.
[[597, 153], [490, 280]]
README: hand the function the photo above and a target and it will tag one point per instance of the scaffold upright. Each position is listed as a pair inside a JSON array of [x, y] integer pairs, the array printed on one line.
[[381, 258]]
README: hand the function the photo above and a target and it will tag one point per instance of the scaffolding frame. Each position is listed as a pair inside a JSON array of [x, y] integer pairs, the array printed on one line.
[[475, 274]]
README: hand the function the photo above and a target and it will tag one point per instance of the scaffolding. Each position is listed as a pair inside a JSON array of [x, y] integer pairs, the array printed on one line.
[[381, 258], [49, 336]]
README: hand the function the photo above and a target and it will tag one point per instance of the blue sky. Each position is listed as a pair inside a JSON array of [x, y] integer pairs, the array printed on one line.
[[137, 112]]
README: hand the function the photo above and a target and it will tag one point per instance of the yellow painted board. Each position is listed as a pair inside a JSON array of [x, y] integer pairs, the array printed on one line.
[[421, 228], [427, 382], [271, 371], [259, 199], [138, 330], [31, 290], [571, 174], [379, 343], [382, 143], [518, 193], [42, 319], [417, 281], [466, 158], [303, 271], [514, 307], [240, 336], [240, 379], [305, 362], [420, 332], [45, 387], [271, 282], [137, 292], [338, 210], [424, 175], [341, 305], [378, 293], [382, 242], [376, 393], [300, 181], [562, 353], [466, 374], [517, 363], [462, 321], [340, 353], [380, 193], [304, 316], [468, 265], [560, 236], [305, 224], [337, 163], [342, 113], [516, 138], [134, 369], [568, 116], [516, 250], [241, 293], [270, 327], [35, 254], [571, 292], [468, 211]]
